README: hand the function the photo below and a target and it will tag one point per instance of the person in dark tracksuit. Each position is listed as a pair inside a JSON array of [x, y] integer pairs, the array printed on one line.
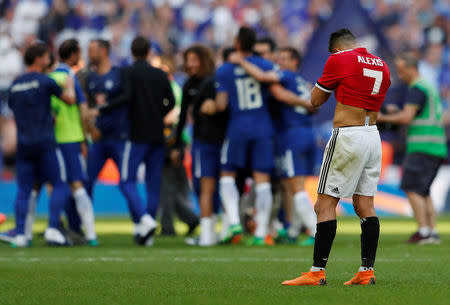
[[209, 132], [150, 99]]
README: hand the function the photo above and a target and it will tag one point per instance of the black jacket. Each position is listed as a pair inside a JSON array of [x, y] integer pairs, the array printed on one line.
[[209, 128], [150, 98]]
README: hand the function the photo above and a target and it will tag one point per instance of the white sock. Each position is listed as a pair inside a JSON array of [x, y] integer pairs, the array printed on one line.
[[263, 205], [31, 215], [214, 220], [207, 233], [230, 199], [365, 268], [424, 231], [434, 231], [315, 269], [84, 207], [294, 228], [305, 211], [224, 226]]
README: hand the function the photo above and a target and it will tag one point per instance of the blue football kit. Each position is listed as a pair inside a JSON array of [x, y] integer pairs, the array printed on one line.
[[250, 130], [294, 143], [114, 127], [38, 158]]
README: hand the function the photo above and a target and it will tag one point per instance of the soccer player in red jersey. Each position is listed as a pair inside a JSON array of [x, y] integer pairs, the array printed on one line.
[[352, 160]]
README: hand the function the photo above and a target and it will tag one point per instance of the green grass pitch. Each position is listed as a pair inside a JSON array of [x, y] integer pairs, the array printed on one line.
[[119, 272]]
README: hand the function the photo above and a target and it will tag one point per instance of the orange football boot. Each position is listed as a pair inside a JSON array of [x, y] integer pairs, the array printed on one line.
[[269, 241], [311, 278], [362, 278]]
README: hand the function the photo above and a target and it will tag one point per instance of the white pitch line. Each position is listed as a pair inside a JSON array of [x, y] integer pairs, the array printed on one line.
[[189, 260]]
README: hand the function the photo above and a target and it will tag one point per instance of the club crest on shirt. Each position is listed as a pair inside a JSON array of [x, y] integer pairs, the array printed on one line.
[[109, 84]]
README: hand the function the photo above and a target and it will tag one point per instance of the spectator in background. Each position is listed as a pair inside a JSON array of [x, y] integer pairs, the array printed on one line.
[[426, 145], [175, 185], [27, 15], [150, 99]]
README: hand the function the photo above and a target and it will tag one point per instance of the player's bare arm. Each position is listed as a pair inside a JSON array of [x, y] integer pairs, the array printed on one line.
[[68, 95], [404, 117], [253, 70], [221, 101], [208, 107], [290, 98], [319, 97]]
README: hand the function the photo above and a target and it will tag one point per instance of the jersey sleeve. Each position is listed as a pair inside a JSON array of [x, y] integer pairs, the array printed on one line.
[[79, 92], [331, 76], [416, 97], [52, 87], [283, 76], [222, 82]]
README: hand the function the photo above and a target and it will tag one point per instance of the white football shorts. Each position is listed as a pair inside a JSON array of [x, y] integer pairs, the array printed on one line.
[[351, 162]]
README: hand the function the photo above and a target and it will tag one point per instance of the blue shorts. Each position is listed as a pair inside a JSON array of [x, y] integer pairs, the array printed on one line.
[[39, 164], [205, 159], [256, 154], [75, 164], [101, 151], [295, 152]]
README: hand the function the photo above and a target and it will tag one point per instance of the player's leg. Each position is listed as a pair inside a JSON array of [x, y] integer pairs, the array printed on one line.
[[300, 159], [154, 163], [95, 162], [26, 173], [262, 155], [431, 220], [303, 207], [331, 184], [53, 169], [233, 154], [416, 180], [76, 174], [128, 156], [31, 215], [363, 202], [205, 167], [433, 164]]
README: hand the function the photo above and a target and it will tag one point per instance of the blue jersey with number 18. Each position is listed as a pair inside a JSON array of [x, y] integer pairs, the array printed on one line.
[[290, 116], [247, 100]]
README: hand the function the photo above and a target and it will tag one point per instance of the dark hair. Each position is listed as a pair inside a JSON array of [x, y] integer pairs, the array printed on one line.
[[140, 47], [34, 51], [267, 40], [52, 61], [67, 48], [205, 56], [227, 52], [104, 44], [410, 59], [294, 53], [246, 38], [342, 35]]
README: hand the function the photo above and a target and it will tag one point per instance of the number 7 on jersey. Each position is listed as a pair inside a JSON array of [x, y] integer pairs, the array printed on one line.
[[378, 75]]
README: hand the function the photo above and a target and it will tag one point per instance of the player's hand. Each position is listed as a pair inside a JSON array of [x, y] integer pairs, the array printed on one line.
[[84, 149], [235, 58], [70, 83], [381, 117], [96, 134], [100, 99], [175, 156], [92, 114], [208, 107], [391, 108]]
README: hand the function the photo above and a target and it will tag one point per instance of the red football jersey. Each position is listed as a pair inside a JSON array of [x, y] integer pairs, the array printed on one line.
[[358, 78]]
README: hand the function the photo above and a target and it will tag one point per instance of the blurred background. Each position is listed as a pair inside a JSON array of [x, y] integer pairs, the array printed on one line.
[[385, 27]]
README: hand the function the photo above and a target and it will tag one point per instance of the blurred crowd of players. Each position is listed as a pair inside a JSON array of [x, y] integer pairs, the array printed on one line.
[[430, 33], [174, 25]]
